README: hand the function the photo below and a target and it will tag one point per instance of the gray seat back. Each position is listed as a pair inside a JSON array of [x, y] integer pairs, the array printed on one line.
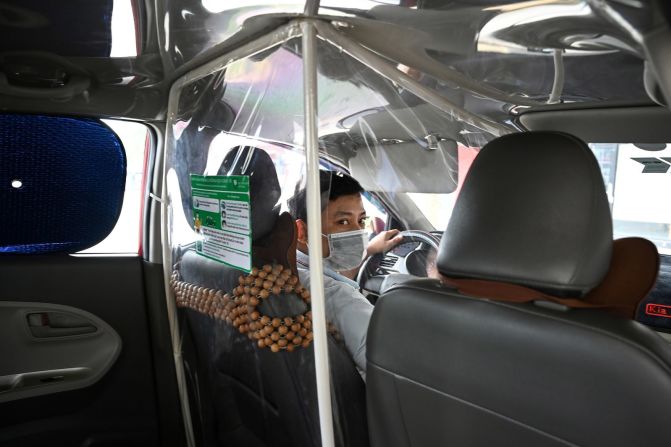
[[449, 369]]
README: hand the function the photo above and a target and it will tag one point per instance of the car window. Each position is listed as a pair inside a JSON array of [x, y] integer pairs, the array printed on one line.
[[125, 238], [638, 181], [376, 213]]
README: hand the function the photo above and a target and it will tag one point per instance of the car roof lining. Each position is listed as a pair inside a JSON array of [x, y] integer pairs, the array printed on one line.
[[145, 99]]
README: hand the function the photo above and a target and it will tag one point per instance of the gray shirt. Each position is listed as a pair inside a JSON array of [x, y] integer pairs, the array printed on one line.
[[346, 308]]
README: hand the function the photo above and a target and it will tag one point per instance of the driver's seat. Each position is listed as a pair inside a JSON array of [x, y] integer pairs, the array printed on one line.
[[526, 360]]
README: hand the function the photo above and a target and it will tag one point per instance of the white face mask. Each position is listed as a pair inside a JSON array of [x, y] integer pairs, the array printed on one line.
[[346, 250]]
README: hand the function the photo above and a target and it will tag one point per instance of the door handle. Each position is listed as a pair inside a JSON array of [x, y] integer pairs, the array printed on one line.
[[58, 324], [15, 382]]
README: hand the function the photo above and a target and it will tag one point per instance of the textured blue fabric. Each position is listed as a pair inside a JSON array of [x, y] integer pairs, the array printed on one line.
[[73, 172]]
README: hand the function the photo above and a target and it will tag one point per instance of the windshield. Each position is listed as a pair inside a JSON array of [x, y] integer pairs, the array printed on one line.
[[437, 208], [637, 179]]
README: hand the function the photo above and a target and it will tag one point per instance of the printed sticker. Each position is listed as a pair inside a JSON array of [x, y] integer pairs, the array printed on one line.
[[222, 218]]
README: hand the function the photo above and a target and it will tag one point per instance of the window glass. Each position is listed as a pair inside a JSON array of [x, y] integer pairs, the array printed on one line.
[[638, 181], [125, 238], [376, 215]]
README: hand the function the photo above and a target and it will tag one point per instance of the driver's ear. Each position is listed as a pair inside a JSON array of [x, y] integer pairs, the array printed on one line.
[[301, 232]]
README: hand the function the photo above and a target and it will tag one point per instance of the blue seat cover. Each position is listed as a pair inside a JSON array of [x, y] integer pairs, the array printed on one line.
[[72, 173]]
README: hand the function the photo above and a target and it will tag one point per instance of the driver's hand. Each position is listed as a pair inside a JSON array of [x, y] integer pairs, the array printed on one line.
[[383, 241]]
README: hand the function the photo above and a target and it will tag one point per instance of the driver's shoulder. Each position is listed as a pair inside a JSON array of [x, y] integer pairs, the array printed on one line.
[[329, 282]]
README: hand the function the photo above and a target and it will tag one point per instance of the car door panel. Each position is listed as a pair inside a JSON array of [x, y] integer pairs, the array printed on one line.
[[53, 348], [120, 408]]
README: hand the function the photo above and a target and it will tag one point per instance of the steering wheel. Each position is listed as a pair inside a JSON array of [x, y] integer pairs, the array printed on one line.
[[410, 257]]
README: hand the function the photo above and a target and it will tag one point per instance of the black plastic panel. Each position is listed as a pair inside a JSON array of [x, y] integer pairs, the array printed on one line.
[[121, 409]]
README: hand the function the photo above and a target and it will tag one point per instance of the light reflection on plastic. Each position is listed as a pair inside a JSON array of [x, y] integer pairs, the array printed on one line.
[[488, 42], [166, 30], [179, 127], [125, 80], [182, 232]]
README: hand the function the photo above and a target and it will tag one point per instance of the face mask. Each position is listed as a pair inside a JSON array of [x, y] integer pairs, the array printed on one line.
[[346, 250]]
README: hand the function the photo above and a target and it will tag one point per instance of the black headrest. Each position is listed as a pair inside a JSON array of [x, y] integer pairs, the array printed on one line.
[[533, 211], [264, 187]]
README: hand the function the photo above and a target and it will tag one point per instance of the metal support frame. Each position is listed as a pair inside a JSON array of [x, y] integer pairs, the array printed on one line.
[[313, 206], [558, 83]]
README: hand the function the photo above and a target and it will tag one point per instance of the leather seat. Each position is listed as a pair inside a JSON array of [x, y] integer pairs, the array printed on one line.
[[451, 367]]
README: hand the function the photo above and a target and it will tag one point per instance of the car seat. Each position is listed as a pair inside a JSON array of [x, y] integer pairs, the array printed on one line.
[[520, 342], [251, 396]]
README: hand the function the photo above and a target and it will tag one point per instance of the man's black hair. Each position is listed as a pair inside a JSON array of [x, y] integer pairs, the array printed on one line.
[[332, 185]]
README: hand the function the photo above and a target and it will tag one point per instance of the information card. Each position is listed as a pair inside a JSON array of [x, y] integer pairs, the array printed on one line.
[[221, 213]]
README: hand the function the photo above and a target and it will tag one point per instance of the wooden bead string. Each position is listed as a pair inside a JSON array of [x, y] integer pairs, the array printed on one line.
[[201, 299], [239, 308]]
